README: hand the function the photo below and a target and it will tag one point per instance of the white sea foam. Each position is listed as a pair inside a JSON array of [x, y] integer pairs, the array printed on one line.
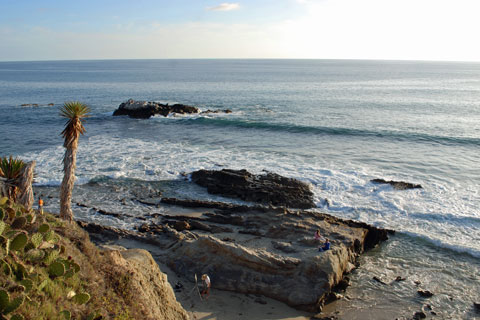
[[436, 212]]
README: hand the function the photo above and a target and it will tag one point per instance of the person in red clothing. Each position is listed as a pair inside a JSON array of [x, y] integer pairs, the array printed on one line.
[[40, 205]]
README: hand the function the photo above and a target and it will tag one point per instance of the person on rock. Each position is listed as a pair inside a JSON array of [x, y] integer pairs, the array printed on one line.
[[317, 235], [326, 246], [206, 285]]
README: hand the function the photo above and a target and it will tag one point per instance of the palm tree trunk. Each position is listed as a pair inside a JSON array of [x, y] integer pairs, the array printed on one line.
[[24, 184], [69, 164]]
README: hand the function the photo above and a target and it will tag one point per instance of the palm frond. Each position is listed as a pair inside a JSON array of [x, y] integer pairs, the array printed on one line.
[[10, 168], [74, 111]]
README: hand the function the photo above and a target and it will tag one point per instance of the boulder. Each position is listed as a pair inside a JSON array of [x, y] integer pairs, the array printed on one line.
[[270, 188], [397, 185]]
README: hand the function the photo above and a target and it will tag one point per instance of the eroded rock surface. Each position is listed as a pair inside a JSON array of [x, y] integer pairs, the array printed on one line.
[[269, 252], [140, 275], [269, 188]]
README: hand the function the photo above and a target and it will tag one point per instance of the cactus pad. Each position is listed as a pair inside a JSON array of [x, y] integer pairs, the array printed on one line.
[[19, 223], [81, 298], [2, 227], [37, 239], [4, 299], [27, 283], [65, 314], [44, 228], [19, 242], [14, 304], [56, 269]]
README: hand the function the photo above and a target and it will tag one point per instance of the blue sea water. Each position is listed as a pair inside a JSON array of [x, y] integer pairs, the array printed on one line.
[[336, 124]]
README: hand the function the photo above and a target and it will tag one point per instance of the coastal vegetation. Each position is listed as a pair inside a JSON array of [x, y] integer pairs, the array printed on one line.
[[10, 171], [51, 270], [74, 112]]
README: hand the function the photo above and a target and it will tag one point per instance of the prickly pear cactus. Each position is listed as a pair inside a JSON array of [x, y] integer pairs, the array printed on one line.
[[33, 262]]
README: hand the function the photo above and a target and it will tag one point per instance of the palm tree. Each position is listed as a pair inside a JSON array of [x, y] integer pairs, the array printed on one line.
[[74, 111], [10, 170]]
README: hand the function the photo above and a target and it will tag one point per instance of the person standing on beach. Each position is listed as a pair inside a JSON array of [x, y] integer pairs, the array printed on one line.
[[40, 205], [206, 285]]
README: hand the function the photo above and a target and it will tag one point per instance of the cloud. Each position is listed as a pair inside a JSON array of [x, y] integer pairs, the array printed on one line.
[[224, 7]]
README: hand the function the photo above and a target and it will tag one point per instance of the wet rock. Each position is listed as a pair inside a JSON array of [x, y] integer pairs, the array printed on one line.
[[343, 284], [425, 293], [216, 111], [397, 185], [200, 226], [476, 306], [270, 188], [419, 315], [182, 225], [146, 109], [378, 280]]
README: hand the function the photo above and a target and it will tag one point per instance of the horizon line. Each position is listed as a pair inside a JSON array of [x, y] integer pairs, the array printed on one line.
[[306, 59]]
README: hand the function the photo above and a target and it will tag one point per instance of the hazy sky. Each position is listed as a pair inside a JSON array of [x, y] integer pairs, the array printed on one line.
[[151, 29]]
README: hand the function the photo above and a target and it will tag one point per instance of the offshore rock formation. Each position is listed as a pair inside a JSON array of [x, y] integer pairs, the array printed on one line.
[[146, 109], [270, 188], [397, 185]]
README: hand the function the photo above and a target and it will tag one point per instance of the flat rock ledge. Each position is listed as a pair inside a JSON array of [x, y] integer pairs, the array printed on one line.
[[270, 188], [397, 185], [269, 252], [147, 109]]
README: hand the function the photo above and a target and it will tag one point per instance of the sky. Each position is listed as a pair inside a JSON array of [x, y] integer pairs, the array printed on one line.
[[286, 29]]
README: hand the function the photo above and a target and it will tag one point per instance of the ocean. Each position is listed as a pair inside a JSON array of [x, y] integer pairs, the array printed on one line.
[[335, 124]]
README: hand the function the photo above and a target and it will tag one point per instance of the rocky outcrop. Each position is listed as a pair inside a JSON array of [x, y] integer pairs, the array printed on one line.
[[270, 188], [277, 261], [397, 185], [147, 109], [270, 252], [140, 277]]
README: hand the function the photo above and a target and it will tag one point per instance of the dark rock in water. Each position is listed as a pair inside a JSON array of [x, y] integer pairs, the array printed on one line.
[[398, 185], [270, 188], [51, 104], [216, 111], [476, 306], [378, 280], [425, 293], [146, 109], [419, 315]]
